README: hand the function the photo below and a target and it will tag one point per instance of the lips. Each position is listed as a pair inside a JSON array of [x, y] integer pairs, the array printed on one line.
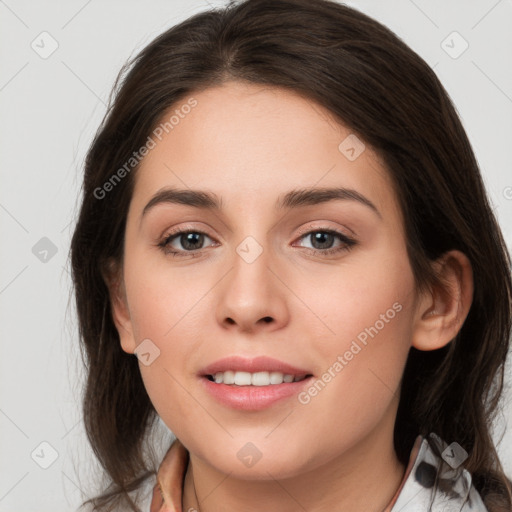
[[246, 394]]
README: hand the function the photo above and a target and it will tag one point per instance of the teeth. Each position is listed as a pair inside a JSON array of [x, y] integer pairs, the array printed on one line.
[[254, 379], [259, 379], [276, 378], [243, 379]]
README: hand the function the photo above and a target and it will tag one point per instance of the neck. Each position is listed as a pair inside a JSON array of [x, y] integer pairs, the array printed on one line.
[[366, 477]]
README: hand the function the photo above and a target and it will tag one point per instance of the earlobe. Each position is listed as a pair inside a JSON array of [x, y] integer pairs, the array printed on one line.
[[443, 309], [120, 311]]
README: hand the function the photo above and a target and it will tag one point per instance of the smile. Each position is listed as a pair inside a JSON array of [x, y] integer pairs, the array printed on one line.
[[241, 378]]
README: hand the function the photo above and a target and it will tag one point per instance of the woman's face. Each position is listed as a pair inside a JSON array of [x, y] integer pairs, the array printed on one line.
[[265, 275]]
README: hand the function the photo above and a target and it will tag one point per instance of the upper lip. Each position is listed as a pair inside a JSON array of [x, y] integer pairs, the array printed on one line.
[[252, 365]]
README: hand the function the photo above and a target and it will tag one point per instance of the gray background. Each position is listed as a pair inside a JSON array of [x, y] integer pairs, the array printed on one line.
[[50, 108]]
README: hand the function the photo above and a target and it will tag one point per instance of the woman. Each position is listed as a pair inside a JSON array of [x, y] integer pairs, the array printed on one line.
[[285, 252]]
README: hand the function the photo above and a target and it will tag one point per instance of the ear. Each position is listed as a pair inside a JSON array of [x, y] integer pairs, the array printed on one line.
[[113, 277], [443, 308]]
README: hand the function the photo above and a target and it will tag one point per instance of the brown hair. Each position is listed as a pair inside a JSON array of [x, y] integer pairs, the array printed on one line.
[[373, 83]]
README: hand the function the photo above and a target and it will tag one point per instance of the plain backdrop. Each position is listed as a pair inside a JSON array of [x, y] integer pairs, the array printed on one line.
[[58, 61]]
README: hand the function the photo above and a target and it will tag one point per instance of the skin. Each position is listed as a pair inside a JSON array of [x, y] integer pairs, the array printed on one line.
[[249, 144]]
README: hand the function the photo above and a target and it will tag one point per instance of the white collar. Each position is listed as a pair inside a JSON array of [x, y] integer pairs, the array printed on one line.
[[453, 491]]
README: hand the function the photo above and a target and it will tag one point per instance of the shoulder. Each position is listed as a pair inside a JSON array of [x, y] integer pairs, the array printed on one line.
[[142, 497], [438, 481]]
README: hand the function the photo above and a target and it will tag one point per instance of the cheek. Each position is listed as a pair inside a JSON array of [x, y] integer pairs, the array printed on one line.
[[164, 298], [168, 307], [365, 340], [369, 300]]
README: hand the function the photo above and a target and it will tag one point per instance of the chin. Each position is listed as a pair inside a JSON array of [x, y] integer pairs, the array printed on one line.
[[251, 461]]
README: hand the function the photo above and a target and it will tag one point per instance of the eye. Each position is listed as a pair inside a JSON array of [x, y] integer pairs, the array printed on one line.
[[190, 241], [323, 239]]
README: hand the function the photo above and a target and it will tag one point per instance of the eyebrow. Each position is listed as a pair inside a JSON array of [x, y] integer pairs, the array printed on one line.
[[293, 199]]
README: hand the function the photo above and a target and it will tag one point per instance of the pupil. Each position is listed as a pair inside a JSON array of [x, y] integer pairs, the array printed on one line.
[[318, 237], [189, 240]]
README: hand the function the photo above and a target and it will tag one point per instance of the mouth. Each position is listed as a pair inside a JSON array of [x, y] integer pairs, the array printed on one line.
[[253, 384], [256, 371], [257, 379]]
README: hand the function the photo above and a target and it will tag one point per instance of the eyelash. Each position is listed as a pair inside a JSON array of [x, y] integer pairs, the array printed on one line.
[[347, 241]]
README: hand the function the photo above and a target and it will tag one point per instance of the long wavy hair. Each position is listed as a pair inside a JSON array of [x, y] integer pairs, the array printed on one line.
[[371, 81]]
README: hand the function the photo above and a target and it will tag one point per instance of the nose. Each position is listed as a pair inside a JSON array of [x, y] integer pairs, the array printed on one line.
[[252, 296]]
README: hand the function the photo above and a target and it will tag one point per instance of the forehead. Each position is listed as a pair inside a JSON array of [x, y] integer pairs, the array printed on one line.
[[251, 143]]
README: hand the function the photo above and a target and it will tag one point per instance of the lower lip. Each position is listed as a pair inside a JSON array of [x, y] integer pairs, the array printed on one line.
[[253, 398]]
